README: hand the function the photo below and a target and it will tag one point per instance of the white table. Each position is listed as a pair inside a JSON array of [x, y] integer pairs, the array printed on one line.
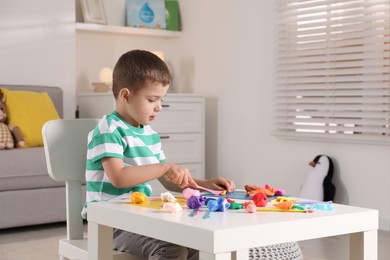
[[230, 234]]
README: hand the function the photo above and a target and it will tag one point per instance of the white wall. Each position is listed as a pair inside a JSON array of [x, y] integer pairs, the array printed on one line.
[[225, 52], [37, 45]]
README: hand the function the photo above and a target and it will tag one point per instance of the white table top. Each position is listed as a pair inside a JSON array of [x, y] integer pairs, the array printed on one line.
[[233, 229]]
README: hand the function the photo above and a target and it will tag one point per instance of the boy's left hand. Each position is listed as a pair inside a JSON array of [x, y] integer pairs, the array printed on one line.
[[220, 184]]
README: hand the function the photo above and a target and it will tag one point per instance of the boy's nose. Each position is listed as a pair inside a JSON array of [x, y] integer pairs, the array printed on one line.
[[158, 106]]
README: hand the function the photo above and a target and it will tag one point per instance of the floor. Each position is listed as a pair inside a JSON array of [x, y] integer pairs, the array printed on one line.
[[41, 243]]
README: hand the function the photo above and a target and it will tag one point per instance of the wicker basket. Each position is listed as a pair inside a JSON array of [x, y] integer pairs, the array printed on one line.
[[284, 251]]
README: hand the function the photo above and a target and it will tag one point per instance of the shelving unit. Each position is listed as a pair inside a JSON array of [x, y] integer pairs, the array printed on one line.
[[126, 30]]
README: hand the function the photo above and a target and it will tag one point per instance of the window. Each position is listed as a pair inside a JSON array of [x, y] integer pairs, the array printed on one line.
[[333, 70]]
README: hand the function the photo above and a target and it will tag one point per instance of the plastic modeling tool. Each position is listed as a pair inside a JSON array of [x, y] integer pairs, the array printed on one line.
[[194, 212], [215, 192], [284, 210], [319, 205]]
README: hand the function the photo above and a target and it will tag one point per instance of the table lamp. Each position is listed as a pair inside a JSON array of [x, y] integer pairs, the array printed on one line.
[[160, 54], [105, 77]]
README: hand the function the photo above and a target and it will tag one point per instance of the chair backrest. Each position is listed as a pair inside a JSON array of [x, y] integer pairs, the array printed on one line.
[[65, 145]]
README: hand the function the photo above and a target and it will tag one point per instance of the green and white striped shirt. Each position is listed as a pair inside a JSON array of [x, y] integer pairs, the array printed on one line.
[[114, 137]]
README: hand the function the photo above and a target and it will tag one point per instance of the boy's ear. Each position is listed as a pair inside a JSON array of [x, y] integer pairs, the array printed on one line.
[[124, 94]]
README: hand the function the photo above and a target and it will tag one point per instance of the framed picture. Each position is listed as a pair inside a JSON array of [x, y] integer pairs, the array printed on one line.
[[93, 11]]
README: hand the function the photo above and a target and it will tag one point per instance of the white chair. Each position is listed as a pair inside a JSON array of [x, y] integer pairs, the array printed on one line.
[[65, 144]]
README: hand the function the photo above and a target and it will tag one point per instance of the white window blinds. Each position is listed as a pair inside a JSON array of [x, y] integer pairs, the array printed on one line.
[[333, 70]]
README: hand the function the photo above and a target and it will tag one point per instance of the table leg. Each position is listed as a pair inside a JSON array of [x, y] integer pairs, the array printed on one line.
[[220, 256], [99, 242], [364, 245]]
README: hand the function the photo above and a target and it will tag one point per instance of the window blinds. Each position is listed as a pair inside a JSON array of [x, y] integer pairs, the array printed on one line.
[[333, 70]]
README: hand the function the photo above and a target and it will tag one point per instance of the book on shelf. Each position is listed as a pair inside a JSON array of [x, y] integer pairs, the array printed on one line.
[[146, 14], [172, 15], [153, 14]]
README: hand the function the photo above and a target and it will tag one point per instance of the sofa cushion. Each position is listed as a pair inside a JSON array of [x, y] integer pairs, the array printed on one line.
[[24, 168], [29, 111], [55, 93]]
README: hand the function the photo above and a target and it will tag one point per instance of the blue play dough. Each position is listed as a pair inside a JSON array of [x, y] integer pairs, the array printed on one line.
[[219, 204]]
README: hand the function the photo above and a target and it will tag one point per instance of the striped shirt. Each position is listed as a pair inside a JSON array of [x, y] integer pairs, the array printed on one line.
[[114, 137]]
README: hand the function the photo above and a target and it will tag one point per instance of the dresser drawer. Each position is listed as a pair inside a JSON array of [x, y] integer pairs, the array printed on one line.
[[178, 117], [183, 148]]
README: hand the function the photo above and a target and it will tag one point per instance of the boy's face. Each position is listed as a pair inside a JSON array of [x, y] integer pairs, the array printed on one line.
[[142, 107]]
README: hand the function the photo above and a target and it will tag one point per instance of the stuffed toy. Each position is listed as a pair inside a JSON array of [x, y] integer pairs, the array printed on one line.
[[9, 135], [318, 184]]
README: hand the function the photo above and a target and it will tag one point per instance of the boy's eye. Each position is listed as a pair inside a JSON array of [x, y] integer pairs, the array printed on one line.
[[155, 100]]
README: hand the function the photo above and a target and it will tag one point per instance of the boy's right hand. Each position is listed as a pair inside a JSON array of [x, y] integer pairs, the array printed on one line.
[[179, 175]]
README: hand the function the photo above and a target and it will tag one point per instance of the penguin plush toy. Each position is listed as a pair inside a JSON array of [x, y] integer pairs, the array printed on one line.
[[318, 184]]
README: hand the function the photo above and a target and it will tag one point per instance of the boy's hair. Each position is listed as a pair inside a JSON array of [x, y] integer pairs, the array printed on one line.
[[136, 68]]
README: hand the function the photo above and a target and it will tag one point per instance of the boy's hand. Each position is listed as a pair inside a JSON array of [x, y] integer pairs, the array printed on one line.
[[179, 175], [220, 184]]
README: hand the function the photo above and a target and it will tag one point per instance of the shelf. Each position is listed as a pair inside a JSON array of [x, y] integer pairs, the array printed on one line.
[[126, 30]]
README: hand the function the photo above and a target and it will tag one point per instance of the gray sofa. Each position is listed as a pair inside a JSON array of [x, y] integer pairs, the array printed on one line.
[[28, 196]]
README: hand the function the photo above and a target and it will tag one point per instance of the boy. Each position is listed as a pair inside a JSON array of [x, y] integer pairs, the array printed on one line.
[[124, 153]]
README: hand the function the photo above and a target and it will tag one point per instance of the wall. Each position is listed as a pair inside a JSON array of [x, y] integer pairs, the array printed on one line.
[[226, 53], [37, 45]]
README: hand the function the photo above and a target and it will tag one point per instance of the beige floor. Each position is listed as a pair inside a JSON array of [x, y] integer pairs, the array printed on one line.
[[41, 243]]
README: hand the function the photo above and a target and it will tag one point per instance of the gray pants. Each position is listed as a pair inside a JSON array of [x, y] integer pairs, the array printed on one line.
[[157, 250], [151, 248]]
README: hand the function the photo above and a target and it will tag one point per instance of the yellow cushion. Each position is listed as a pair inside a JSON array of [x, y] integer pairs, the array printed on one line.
[[29, 111]]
